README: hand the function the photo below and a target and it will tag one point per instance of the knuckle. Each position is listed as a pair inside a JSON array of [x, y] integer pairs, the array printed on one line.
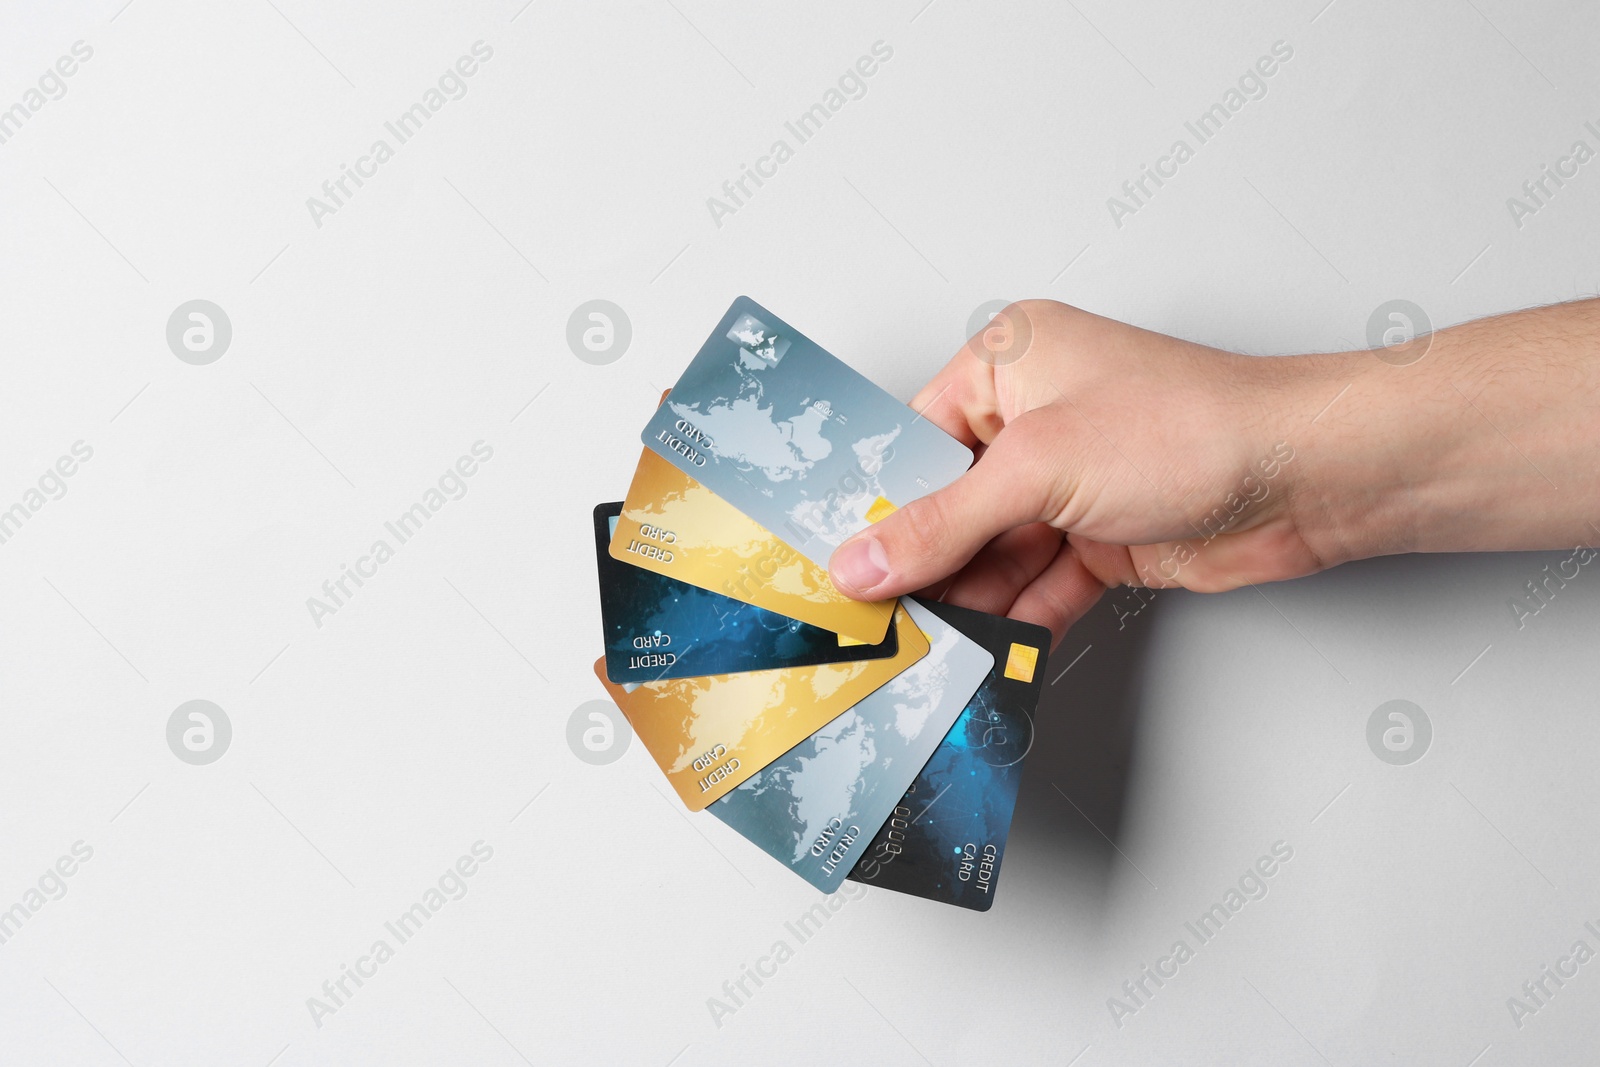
[[1048, 611], [1052, 315], [1041, 308], [1014, 573], [924, 530]]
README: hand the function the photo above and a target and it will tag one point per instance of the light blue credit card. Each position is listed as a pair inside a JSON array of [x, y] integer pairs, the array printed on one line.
[[792, 437], [818, 806]]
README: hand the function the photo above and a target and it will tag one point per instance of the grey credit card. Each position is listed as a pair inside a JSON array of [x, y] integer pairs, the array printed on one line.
[[792, 437], [819, 805]]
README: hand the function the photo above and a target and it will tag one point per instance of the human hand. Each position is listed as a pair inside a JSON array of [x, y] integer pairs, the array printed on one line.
[[1107, 455]]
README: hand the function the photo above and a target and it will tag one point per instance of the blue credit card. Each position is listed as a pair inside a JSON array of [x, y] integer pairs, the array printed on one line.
[[658, 627], [817, 808], [792, 437], [947, 836]]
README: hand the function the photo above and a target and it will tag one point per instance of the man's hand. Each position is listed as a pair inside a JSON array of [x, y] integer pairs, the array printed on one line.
[[1110, 455]]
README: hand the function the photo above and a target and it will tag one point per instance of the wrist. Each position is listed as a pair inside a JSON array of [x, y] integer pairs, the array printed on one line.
[[1483, 442], [1367, 438]]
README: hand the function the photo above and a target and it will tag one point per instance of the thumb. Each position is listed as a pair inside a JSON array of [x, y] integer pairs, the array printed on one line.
[[936, 535]]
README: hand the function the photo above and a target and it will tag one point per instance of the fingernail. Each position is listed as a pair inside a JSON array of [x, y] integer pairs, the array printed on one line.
[[860, 564]]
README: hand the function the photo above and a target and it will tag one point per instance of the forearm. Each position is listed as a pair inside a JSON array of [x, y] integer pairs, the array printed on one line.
[[1491, 441]]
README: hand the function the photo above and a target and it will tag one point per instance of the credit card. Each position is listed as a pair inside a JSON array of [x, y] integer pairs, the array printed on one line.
[[789, 435], [948, 834], [673, 525], [658, 627], [710, 734], [817, 808]]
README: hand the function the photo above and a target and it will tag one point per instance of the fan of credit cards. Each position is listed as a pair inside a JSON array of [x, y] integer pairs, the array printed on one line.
[[877, 742]]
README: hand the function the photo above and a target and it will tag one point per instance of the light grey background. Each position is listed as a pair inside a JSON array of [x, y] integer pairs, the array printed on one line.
[[430, 312]]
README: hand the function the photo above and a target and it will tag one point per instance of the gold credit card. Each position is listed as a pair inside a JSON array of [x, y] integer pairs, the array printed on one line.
[[673, 525], [709, 734]]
